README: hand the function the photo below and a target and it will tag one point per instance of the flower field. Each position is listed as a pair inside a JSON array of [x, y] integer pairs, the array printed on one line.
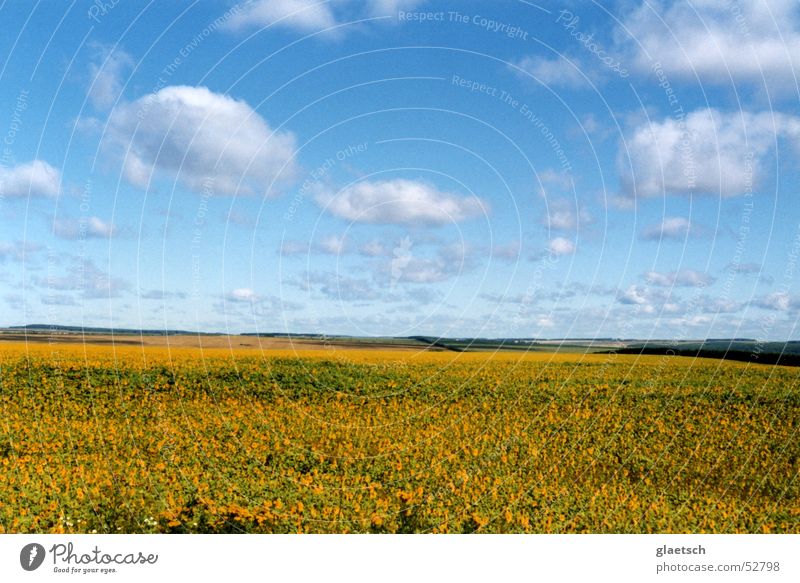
[[139, 440]]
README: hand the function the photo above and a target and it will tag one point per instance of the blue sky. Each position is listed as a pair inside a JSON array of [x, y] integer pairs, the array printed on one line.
[[403, 167]]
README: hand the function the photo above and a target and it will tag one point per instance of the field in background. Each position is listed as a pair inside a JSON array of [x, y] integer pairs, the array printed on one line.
[[212, 341], [127, 438], [739, 349]]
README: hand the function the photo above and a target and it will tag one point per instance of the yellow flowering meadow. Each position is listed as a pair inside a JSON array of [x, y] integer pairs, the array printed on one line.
[[132, 439]]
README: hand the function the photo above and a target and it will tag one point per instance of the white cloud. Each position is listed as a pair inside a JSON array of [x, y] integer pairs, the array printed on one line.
[[648, 300], [778, 301], [106, 83], [209, 141], [718, 41], [328, 245], [401, 202], [718, 305], [424, 270], [550, 178], [243, 295], [693, 321], [681, 278], [677, 228], [339, 286], [561, 246], [100, 228], [18, 251], [635, 294], [710, 152], [387, 7], [90, 228], [564, 219], [332, 245], [554, 72], [509, 252], [457, 253], [242, 219], [545, 322], [659, 279], [84, 276], [300, 15], [35, 178], [294, 248], [373, 248], [308, 16], [564, 215], [410, 264], [98, 284], [592, 126]]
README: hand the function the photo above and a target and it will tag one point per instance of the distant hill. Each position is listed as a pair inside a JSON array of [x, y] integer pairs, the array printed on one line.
[[48, 328], [784, 353]]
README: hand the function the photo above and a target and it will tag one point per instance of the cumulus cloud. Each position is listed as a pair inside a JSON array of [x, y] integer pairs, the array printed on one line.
[[373, 248], [410, 264], [300, 15], [561, 246], [649, 300], [384, 7], [242, 295], [709, 152], [90, 228], [328, 245], [294, 248], [308, 16], [242, 219], [635, 294], [550, 179], [404, 263], [676, 228], [425, 270], [106, 76], [338, 286], [694, 321], [85, 277], [208, 141], [752, 41], [779, 301], [508, 252], [545, 321], [563, 215], [99, 228], [718, 305], [754, 270], [97, 284], [559, 71], [17, 251], [400, 202], [681, 278], [35, 178], [245, 302], [332, 245]]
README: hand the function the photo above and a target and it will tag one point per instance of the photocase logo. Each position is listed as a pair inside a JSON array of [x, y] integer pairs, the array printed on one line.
[[31, 556]]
